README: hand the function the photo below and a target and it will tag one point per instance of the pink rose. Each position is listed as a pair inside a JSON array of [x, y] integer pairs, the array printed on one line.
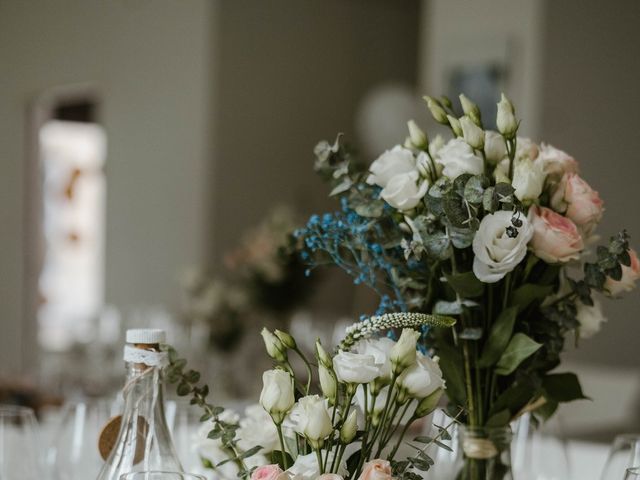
[[555, 238], [578, 201], [267, 472], [376, 470], [556, 162], [629, 276]]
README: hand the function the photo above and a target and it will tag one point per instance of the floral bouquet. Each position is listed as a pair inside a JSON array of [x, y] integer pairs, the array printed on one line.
[[372, 391], [494, 230]]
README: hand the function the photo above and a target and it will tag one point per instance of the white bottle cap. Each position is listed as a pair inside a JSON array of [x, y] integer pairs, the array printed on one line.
[[146, 335]]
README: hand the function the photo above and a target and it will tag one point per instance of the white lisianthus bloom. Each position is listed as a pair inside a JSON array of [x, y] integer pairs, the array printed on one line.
[[353, 367], [397, 161], [472, 133], [257, 428], [380, 348], [328, 383], [497, 253], [457, 157], [404, 191], [277, 393], [306, 466], [403, 353], [495, 148], [506, 119], [313, 419], [422, 378], [528, 179], [590, 318]]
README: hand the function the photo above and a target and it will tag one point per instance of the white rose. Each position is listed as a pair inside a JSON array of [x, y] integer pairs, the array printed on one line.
[[353, 367], [457, 157], [495, 148], [380, 348], [422, 378], [496, 254], [404, 191], [528, 179], [257, 428], [590, 318], [277, 393], [556, 162], [526, 148], [393, 162], [313, 420], [403, 353]]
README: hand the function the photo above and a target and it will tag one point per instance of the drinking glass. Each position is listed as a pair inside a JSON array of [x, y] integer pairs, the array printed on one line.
[[20, 449], [74, 454], [624, 454], [632, 474], [161, 476]]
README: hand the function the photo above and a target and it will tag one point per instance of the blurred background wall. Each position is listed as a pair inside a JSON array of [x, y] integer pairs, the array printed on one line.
[[212, 110]]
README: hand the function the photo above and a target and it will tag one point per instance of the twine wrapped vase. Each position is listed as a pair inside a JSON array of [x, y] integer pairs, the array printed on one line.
[[485, 453]]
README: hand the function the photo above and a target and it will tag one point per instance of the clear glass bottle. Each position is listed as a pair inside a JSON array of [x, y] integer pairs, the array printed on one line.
[[143, 442]]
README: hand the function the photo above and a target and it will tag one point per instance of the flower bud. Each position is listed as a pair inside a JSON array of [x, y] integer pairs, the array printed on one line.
[[286, 339], [455, 125], [417, 135], [470, 109], [403, 353], [323, 357], [506, 119], [277, 394], [428, 404], [349, 428], [328, 383], [274, 346], [495, 148], [472, 133], [439, 114]]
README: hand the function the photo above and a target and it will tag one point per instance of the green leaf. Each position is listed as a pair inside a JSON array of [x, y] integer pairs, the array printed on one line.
[[563, 387], [529, 293], [465, 284], [276, 457], [461, 237], [183, 389], [454, 207], [452, 370], [437, 245], [252, 451], [547, 410], [500, 419], [516, 396], [520, 348], [499, 336]]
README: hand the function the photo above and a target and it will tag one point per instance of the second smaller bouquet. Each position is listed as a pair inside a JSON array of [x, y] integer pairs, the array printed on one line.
[[370, 393]]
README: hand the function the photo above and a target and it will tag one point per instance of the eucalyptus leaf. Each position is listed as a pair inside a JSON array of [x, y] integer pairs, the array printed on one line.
[[461, 237], [455, 209], [437, 245], [499, 336], [474, 188], [520, 348], [371, 209], [342, 187]]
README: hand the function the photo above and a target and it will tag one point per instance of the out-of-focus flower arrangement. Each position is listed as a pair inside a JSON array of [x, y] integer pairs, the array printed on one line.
[[369, 394], [264, 275]]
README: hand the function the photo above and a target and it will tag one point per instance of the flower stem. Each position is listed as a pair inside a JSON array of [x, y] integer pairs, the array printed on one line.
[[283, 450], [320, 464]]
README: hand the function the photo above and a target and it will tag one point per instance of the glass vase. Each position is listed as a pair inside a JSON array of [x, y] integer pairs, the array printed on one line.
[[485, 453]]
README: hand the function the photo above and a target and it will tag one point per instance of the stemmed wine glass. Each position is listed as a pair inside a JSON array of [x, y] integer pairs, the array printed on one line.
[[161, 476], [74, 454], [20, 449], [632, 474], [624, 454]]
